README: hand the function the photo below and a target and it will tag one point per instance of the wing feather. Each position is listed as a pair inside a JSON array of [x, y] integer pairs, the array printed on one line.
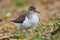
[[21, 18]]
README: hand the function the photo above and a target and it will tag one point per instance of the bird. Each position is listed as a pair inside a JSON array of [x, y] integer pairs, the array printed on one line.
[[27, 19]]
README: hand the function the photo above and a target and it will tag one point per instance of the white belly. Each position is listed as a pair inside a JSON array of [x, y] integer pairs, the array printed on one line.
[[28, 22], [32, 21]]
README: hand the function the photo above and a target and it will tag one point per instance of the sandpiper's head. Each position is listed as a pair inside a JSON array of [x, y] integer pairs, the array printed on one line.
[[32, 8]]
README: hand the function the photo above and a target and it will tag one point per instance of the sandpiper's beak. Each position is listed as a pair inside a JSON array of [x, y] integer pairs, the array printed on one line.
[[37, 11]]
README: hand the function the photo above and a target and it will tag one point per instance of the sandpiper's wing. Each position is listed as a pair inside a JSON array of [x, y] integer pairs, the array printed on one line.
[[21, 18]]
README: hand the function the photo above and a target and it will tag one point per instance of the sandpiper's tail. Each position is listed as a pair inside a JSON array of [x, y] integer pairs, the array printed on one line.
[[15, 21]]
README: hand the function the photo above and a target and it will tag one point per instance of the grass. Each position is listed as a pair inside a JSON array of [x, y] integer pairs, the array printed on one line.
[[36, 35]]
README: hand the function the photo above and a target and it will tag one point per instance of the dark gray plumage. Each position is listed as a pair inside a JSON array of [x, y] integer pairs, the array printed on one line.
[[20, 19]]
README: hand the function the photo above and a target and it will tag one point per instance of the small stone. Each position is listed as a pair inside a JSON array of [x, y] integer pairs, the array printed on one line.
[[8, 14]]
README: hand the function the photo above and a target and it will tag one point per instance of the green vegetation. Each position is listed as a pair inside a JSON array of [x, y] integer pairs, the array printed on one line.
[[36, 34], [20, 3]]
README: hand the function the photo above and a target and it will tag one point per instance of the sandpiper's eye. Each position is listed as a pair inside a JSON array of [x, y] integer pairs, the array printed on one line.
[[32, 8]]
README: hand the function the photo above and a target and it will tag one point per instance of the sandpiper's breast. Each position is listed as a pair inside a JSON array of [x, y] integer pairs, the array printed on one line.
[[34, 19]]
